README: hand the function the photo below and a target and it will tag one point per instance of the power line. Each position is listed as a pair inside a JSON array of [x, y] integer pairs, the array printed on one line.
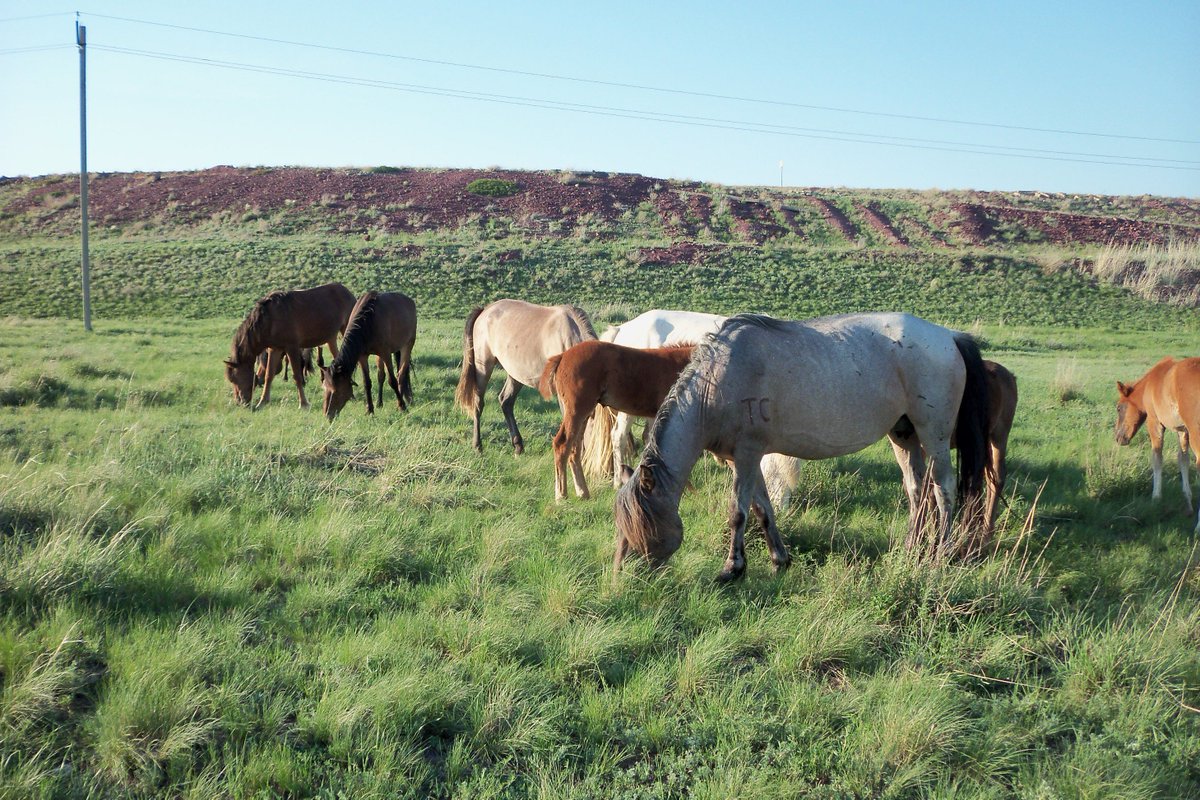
[[653, 116], [34, 49], [38, 16], [643, 87]]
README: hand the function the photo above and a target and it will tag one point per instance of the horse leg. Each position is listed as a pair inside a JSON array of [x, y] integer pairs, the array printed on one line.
[[508, 396], [747, 484], [996, 476], [1184, 478], [912, 467], [944, 484], [293, 355], [482, 376], [365, 365], [620, 445], [381, 376], [1156, 460], [560, 462], [392, 382], [766, 518], [273, 359], [575, 447]]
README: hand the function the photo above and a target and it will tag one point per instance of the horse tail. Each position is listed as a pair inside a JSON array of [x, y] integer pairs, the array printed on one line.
[[597, 444], [467, 394], [405, 378], [546, 384], [583, 321], [971, 432]]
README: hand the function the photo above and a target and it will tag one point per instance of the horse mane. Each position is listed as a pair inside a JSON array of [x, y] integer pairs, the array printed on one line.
[[582, 320], [246, 338], [354, 342]]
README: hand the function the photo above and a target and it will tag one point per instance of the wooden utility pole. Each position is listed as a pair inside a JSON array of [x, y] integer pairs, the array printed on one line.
[[81, 40]]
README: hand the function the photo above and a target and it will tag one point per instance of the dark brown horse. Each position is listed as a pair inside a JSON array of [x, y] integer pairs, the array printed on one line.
[[382, 324], [596, 373], [1002, 408], [1165, 398], [518, 336], [286, 322]]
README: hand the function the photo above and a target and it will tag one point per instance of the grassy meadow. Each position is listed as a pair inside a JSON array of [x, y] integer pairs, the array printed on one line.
[[198, 601]]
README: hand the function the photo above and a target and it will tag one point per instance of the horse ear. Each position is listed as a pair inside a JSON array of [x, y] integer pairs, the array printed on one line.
[[646, 479], [626, 473], [230, 364], [1123, 389]]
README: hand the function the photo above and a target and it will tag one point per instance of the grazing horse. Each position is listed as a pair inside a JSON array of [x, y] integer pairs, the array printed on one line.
[[608, 444], [382, 324], [1166, 397], [518, 336], [285, 322], [816, 389], [593, 373]]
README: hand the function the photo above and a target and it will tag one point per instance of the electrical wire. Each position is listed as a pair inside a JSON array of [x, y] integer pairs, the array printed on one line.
[[640, 87], [677, 119]]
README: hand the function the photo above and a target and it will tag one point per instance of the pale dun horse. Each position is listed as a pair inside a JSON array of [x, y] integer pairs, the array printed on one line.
[[520, 337], [608, 444], [815, 389], [1165, 398]]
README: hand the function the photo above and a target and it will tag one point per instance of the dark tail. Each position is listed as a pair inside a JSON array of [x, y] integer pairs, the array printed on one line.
[[546, 384], [405, 378], [971, 431], [467, 395]]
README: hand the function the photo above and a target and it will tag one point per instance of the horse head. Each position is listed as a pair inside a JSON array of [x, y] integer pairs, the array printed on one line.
[[339, 389], [240, 375], [647, 517], [1130, 415]]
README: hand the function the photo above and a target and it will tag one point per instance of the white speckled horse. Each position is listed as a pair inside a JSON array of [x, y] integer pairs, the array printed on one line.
[[814, 389]]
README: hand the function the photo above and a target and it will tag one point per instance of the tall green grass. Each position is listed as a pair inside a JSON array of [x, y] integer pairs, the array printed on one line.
[[198, 601]]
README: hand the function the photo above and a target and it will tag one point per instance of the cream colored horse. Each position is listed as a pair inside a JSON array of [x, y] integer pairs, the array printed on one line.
[[518, 336]]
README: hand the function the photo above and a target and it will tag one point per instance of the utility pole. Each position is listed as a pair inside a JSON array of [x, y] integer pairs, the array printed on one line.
[[81, 40], [781, 173]]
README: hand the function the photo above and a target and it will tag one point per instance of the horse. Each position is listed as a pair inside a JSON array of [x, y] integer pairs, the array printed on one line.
[[815, 389], [383, 324], [518, 336], [1166, 397], [285, 323], [596, 373], [782, 475], [608, 445]]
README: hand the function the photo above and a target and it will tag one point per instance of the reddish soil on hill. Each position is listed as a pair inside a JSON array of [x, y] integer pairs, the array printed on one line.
[[555, 204]]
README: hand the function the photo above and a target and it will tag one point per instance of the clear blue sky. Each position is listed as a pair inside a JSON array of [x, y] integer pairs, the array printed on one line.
[[1097, 67]]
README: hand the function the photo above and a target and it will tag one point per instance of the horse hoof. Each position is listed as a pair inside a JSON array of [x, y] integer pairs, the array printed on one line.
[[729, 576], [782, 566], [518, 449]]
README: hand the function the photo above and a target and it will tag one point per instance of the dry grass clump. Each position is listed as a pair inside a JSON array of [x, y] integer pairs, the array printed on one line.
[[1170, 272]]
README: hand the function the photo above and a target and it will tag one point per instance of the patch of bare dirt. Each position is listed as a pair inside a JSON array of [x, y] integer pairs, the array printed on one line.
[[836, 219], [680, 253], [879, 223]]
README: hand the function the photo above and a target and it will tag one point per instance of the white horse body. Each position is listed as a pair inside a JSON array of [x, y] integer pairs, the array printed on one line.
[[816, 389], [664, 328]]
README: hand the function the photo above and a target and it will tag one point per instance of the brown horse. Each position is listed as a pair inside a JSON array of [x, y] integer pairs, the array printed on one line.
[[383, 324], [518, 336], [596, 373], [1002, 408], [1166, 397], [285, 322]]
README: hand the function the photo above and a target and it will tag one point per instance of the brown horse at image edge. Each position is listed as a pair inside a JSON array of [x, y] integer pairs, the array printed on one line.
[[1165, 398]]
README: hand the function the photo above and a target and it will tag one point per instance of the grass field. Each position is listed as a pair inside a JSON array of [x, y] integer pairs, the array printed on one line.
[[197, 601]]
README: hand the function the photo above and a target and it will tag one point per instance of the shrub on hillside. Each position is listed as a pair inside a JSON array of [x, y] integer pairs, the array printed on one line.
[[493, 187]]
